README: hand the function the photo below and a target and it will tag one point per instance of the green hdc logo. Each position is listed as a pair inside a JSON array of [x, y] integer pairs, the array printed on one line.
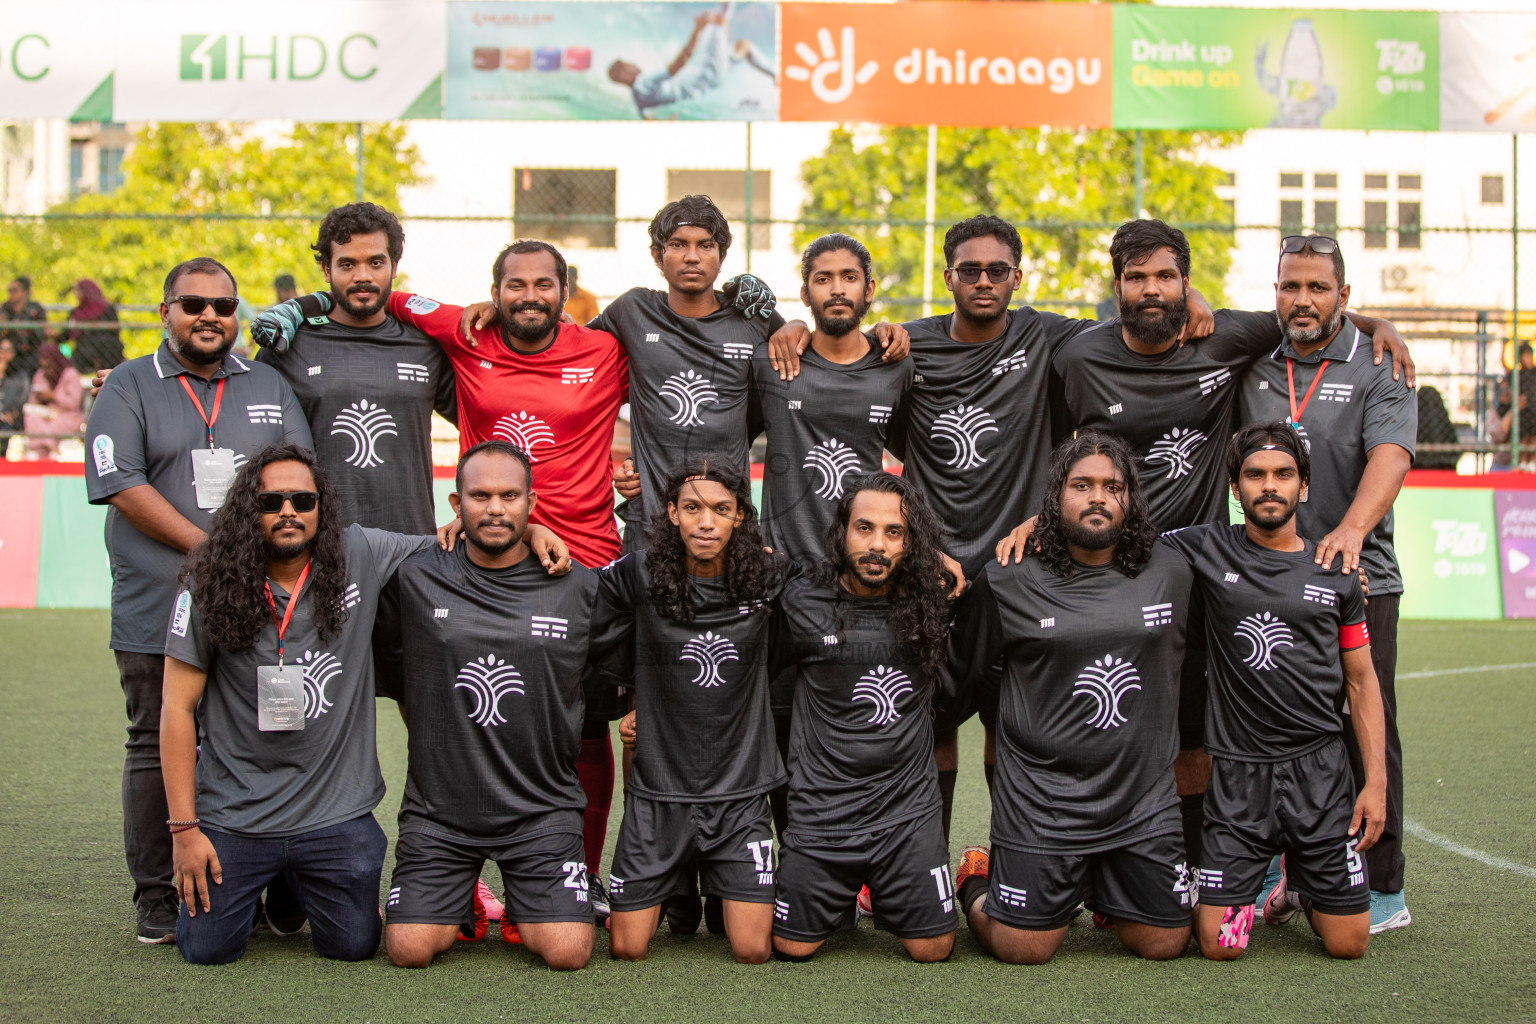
[[207, 58]]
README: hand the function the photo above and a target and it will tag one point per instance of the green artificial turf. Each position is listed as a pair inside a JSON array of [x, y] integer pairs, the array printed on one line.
[[67, 950]]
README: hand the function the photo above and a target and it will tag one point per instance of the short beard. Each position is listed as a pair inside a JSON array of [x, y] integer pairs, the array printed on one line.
[[983, 321], [192, 354], [493, 549], [537, 331], [358, 305], [839, 325], [1270, 522], [283, 552], [1090, 539], [1154, 331], [1324, 329], [852, 566]]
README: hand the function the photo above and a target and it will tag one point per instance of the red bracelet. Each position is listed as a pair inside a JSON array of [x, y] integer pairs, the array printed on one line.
[[184, 828]]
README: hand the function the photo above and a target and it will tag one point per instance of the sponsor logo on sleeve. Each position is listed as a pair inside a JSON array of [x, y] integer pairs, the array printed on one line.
[[315, 371], [738, 350], [1320, 595], [183, 613], [421, 305], [1153, 615], [1216, 378], [103, 450], [879, 414], [548, 625], [576, 374], [265, 414], [1017, 361]]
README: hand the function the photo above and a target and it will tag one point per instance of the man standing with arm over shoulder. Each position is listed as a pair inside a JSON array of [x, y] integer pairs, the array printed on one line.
[[165, 439]]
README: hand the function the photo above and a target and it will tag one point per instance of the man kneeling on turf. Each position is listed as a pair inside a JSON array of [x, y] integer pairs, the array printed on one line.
[[693, 612], [492, 656], [866, 639], [1089, 627]]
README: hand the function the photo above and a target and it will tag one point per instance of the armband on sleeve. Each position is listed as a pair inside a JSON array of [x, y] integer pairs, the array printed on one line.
[[1351, 637]]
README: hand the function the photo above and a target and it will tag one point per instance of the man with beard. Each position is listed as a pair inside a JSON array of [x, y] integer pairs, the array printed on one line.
[[1084, 806], [863, 646], [1286, 635], [1360, 429], [164, 439]]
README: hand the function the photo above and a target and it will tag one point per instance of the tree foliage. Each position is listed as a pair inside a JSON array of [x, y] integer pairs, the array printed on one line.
[[1065, 190], [252, 201]]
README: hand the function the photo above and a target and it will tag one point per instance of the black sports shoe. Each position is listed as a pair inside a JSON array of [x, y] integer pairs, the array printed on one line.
[[683, 914], [282, 910], [597, 899], [157, 919], [714, 915]]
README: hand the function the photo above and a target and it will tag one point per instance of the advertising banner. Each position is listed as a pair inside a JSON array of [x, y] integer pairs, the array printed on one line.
[[612, 62], [1445, 541], [1013, 65], [1516, 515], [22, 499], [1237, 68], [72, 566], [345, 60], [55, 61], [1488, 72]]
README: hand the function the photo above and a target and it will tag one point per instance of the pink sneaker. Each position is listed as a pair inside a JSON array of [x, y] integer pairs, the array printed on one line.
[[1282, 904], [865, 904], [493, 907]]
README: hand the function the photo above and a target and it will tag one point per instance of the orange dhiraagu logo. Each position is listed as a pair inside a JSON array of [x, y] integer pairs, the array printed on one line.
[[965, 63]]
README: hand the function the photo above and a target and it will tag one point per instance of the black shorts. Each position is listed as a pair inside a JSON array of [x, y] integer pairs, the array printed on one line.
[[660, 843], [1146, 881], [545, 879], [905, 866], [1302, 808]]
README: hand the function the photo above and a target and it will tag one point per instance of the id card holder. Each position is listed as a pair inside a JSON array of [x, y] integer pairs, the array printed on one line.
[[280, 698], [213, 470]]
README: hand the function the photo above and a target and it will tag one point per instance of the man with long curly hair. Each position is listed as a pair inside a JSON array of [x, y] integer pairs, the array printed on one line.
[[1090, 630], [692, 616], [865, 642]]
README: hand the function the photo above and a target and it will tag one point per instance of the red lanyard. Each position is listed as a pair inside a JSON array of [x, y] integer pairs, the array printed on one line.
[[218, 398], [293, 600], [1290, 382]]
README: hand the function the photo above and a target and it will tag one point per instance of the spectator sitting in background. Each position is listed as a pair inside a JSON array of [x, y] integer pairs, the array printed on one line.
[[19, 306], [581, 305], [94, 348], [1499, 429], [1435, 427], [285, 287], [14, 386], [57, 405]]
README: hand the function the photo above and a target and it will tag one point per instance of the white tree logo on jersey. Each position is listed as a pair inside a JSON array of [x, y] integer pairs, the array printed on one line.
[[364, 423], [1107, 680], [963, 427], [524, 430], [489, 678], [1175, 448], [319, 670], [882, 688], [835, 462], [1266, 633], [688, 391], [709, 652]]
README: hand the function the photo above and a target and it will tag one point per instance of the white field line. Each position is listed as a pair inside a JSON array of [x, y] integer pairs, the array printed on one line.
[[1466, 671], [1418, 831]]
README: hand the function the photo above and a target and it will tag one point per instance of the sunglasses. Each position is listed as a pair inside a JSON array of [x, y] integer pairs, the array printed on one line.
[[1320, 244], [997, 273], [192, 305], [271, 502]]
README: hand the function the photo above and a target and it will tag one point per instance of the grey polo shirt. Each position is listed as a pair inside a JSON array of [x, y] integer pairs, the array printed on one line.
[[142, 430], [1355, 407]]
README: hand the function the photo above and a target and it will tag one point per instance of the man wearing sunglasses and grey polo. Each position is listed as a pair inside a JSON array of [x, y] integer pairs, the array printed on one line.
[[165, 439]]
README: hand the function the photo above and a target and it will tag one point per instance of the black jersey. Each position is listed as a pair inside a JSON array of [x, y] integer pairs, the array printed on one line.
[[825, 427], [861, 738], [492, 664], [704, 731], [1087, 722], [979, 434], [1275, 623], [368, 394], [1176, 409], [687, 385]]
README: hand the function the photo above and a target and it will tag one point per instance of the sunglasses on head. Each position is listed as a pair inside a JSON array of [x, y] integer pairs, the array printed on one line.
[[1320, 244], [192, 305], [997, 273], [271, 502]]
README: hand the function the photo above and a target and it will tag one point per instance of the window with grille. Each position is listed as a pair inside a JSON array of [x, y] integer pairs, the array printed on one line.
[[571, 208], [728, 189]]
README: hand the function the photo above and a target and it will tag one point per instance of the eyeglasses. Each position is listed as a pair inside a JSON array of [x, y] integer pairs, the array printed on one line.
[[192, 305], [271, 502], [1320, 244], [997, 273]]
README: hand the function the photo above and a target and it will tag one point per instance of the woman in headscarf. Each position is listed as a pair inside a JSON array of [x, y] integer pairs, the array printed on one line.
[[94, 348], [57, 408]]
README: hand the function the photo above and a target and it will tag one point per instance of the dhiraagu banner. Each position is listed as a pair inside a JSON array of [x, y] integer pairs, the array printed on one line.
[[1189, 67]]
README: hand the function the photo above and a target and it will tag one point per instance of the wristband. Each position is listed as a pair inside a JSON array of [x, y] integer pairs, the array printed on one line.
[[173, 822], [184, 828]]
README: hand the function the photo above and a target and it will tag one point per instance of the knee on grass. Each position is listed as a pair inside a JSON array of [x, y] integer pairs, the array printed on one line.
[[415, 947], [751, 951], [933, 950], [1024, 947]]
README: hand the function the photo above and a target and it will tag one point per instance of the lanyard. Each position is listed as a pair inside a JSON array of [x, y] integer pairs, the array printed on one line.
[[218, 398], [293, 600], [1290, 383]]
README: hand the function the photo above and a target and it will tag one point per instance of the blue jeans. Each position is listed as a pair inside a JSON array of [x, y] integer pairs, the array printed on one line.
[[333, 871]]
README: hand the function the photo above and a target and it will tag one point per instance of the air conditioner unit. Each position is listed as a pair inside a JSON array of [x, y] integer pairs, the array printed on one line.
[[1399, 277]]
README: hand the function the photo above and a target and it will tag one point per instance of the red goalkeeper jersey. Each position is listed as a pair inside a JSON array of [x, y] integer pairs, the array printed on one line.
[[558, 405]]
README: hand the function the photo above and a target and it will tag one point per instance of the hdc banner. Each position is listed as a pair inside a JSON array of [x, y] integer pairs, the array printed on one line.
[[1228, 68], [970, 63], [55, 61], [1488, 72]]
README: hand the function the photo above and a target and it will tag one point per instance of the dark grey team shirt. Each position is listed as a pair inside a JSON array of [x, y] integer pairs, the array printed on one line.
[[704, 732], [1087, 721], [1355, 407], [1272, 623], [979, 433], [1176, 410], [275, 784], [688, 379], [368, 394], [492, 695], [825, 427], [142, 430], [861, 735]]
